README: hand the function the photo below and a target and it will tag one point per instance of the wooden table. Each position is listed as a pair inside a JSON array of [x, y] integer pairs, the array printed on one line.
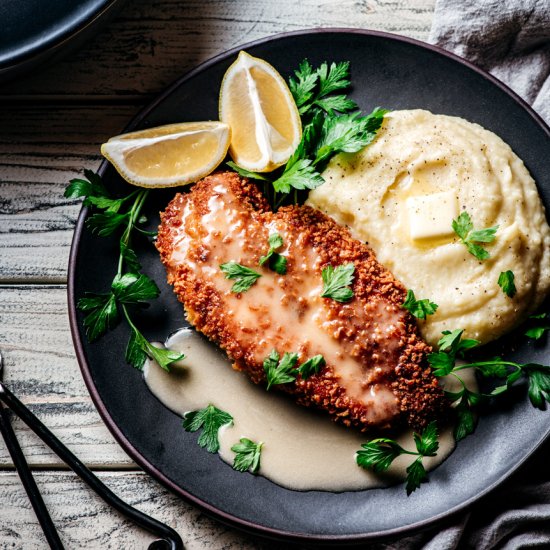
[[52, 124]]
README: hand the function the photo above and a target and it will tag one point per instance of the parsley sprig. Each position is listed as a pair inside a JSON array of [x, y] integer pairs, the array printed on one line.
[[274, 260], [378, 455], [538, 326], [473, 238], [313, 89], [244, 276], [506, 282], [284, 371], [280, 371], [247, 455], [129, 287], [329, 128], [210, 420], [336, 282], [419, 308], [452, 347]]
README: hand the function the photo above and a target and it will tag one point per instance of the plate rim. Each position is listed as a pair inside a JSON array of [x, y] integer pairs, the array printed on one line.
[[128, 447]]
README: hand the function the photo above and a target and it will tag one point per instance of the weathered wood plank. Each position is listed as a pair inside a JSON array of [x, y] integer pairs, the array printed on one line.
[[41, 149], [152, 43], [41, 369], [84, 521]]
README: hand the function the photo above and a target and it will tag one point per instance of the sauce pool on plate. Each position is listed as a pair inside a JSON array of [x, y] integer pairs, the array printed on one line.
[[302, 448]]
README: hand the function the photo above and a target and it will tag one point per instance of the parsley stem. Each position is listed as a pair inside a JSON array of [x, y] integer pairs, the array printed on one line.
[[131, 195], [125, 311], [134, 216], [147, 233], [279, 202], [485, 363], [405, 452]]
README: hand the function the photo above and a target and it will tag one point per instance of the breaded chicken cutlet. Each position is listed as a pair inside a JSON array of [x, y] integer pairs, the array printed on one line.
[[376, 374]]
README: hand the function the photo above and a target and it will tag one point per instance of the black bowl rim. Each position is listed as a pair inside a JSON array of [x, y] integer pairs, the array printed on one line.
[[212, 511], [21, 59]]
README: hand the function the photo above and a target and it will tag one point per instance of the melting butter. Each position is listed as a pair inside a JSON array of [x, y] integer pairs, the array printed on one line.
[[303, 449], [431, 216]]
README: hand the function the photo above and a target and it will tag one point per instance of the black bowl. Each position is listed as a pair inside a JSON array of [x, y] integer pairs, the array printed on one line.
[[36, 31]]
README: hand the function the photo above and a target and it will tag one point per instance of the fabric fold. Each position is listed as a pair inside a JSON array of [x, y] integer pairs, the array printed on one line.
[[508, 38]]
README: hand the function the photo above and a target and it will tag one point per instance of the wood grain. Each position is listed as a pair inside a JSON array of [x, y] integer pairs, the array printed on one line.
[[151, 43], [41, 149], [84, 521], [41, 369]]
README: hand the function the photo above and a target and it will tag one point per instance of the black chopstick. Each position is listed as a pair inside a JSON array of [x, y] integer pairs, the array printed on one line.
[[28, 481], [159, 529]]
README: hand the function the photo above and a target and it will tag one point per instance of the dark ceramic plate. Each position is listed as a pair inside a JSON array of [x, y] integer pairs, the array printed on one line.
[[389, 71], [35, 30]]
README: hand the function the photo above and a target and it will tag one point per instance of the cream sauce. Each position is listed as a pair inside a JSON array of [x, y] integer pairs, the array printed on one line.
[[303, 449]]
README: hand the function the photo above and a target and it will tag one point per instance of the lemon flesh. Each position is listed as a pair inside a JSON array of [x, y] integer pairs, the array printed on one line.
[[169, 155], [258, 106]]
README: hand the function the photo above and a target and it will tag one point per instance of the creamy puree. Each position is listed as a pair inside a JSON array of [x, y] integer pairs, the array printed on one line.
[[416, 160], [302, 450]]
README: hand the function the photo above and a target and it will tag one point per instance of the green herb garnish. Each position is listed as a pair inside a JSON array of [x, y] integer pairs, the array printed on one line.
[[284, 371], [452, 346], [247, 457], [378, 455], [280, 372], [419, 308], [139, 349], [210, 419], [336, 282], [312, 88], [312, 366], [328, 128], [537, 328], [276, 262], [471, 237], [346, 134], [129, 288], [244, 276], [506, 282]]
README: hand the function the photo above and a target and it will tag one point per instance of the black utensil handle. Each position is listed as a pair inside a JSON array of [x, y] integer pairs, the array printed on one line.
[[139, 518], [28, 481]]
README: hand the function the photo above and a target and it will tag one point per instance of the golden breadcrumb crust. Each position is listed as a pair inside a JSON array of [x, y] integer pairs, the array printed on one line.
[[419, 396]]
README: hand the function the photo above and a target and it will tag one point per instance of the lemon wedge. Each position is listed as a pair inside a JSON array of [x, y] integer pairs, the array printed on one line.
[[258, 106], [169, 155]]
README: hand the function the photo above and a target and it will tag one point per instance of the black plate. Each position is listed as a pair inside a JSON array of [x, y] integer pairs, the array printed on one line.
[[389, 71], [35, 30]]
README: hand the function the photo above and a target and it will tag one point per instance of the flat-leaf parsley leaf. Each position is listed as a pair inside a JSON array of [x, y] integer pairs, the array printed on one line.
[[210, 419], [311, 88], [378, 455], [537, 327], [244, 276], [336, 282], [280, 372], [275, 261], [418, 308], [312, 366], [506, 282], [464, 228], [247, 457]]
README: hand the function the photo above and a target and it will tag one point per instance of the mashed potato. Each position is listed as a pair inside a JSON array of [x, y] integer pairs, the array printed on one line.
[[401, 194]]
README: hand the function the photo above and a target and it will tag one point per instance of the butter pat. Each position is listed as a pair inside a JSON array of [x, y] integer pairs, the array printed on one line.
[[431, 216]]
